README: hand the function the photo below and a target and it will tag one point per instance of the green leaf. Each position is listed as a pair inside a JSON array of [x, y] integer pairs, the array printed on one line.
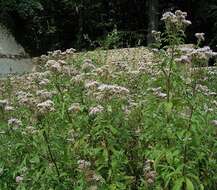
[[168, 107], [169, 157], [35, 159], [178, 184], [201, 187], [189, 184], [113, 130]]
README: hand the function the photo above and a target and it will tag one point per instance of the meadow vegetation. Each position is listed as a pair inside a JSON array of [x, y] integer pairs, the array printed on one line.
[[95, 124]]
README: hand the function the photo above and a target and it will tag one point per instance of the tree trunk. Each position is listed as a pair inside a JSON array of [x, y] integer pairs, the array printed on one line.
[[153, 19]]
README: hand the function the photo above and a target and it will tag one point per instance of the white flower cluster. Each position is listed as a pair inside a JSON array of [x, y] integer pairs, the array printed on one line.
[[54, 66], [83, 164], [205, 90], [72, 135], [214, 123], [200, 36], [91, 85], [60, 67], [203, 53], [184, 59], [4, 105], [108, 91], [95, 110], [26, 99], [45, 107], [120, 66], [57, 54], [103, 71], [19, 179], [74, 108], [176, 21], [157, 92], [87, 66], [44, 82], [44, 95], [90, 175], [14, 123], [105, 91], [195, 55], [149, 173]]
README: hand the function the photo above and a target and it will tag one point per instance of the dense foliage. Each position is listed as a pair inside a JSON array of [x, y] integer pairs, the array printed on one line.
[[96, 125], [83, 24]]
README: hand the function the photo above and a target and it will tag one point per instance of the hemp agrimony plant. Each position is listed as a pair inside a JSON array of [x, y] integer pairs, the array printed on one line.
[[184, 71], [85, 124]]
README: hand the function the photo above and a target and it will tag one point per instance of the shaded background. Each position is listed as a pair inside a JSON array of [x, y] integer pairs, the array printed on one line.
[[43, 25]]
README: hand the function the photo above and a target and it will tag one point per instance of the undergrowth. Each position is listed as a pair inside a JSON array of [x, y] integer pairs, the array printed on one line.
[[85, 124]]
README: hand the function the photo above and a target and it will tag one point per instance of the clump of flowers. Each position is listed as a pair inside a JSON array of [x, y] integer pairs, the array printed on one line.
[[44, 95], [74, 108], [184, 59], [149, 173], [26, 99], [200, 36], [91, 85], [19, 179], [106, 120], [54, 66], [83, 164], [9, 108], [14, 123], [195, 55], [45, 107], [3, 104], [176, 22], [78, 79], [214, 123], [158, 92], [44, 82], [87, 66], [103, 71], [110, 90], [95, 110]]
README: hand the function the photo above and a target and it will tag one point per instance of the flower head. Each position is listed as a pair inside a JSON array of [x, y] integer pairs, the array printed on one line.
[[19, 179], [74, 108], [176, 21], [54, 66], [214, 123], [200, 36], [87, 66], [95, 110], [45, 107], [14, 123], [83, 164], [183, 59], [3, 103]]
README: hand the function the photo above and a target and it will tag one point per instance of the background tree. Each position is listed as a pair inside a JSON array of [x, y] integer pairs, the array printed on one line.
[[42, 25], [153, 9]]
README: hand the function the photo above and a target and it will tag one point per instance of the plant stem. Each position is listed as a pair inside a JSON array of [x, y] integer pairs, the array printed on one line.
[[50, 153], [188, 129], [62, 99]]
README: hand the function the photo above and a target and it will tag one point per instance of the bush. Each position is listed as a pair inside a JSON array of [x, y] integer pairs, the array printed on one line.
[[84, 124]]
